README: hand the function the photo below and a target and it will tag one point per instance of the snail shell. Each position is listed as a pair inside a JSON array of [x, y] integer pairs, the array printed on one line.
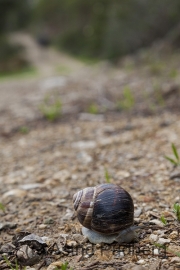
[[106, 208]]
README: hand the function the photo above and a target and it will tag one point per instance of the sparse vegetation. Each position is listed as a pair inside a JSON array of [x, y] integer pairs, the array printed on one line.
[[64, 70], [158, 94], [64, 266], [93, 109], [24, 129], [51, 107], [24, 73], [156, 67], [128, 100], [167, 249], [12, 267], [96, 28], [173, 73], [163, 220], [2, 207], [107, 176], [176, 160], [176, 209]]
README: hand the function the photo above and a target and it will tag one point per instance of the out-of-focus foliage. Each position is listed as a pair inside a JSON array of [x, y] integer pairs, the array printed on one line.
[[106, 28], [13, 15], [11, 57], [89, 28]]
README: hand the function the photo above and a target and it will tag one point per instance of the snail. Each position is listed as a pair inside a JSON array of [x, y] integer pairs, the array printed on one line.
[[106, 212]]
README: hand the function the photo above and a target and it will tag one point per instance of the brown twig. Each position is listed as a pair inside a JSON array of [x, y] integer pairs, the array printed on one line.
[[41, 265]]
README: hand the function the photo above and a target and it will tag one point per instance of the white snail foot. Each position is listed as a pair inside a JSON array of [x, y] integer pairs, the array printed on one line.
[[124, 236], [97, 238]]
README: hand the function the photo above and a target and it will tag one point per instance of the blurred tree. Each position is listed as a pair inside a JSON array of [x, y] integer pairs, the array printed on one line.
[[105, 28], [14, 14]]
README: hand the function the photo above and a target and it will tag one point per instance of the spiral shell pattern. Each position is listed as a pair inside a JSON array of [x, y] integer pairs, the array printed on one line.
[[106, 208]]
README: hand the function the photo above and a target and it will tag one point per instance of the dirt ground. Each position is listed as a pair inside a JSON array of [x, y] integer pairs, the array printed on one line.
[[43, 163]]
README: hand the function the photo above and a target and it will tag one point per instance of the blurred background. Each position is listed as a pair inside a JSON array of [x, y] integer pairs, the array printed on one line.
[[99, 29], [128, 40]]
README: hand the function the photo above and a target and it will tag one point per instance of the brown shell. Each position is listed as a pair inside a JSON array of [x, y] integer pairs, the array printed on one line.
[[106, 208]]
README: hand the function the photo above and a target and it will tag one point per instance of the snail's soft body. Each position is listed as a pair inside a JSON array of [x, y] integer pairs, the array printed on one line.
[[124, 236], [106, 213]]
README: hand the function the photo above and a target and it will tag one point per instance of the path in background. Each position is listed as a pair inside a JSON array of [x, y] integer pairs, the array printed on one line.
[[20, 96]]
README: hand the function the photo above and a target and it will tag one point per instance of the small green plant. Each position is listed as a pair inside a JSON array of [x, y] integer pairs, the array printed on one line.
[[107, 176], [128, 100], [24, 129], [51, 108], [27, 72], [152, 107], [176, 209], [158, 93], [64, 70], [2, 207], [160, 245], [167, 249], [173, 73], [176, 160], [17, 267], [163, 220], [93, 108], [64, 266], [156, 67]]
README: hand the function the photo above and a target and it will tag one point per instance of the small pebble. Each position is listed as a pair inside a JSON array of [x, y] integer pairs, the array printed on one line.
[[91, 117], [175, 260], [153, 237], [69, 214], [55, 265], [141, 261], [7, 225], [173, 235], [42, 226], [156, 251], [137, 212], [71, 243], [138, 267], [15, 192], [79, 238], [30, 186], [121, 254], [62, 176], [163, 241], [123, 174], [160, 232], [157, 222], [84, 144]]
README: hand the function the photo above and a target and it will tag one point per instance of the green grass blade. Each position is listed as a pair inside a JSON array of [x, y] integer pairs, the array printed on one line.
[[171, 160], [64, 266], [175, 151], [163, 220], [2, 207], [174, 253], [8, 262], [107, 176], [160, 245], [176, 209]]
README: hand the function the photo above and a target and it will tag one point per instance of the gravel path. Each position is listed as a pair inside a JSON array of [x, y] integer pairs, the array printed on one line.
[[42, 169]]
